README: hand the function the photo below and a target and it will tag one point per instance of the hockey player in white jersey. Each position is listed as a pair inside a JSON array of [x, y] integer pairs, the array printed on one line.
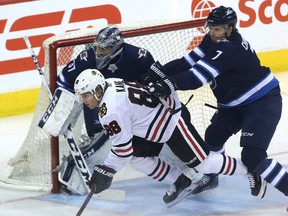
[[114, 58], [127, 109]]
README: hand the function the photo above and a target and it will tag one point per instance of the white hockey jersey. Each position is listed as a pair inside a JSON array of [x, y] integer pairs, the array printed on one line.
[[126, 110]]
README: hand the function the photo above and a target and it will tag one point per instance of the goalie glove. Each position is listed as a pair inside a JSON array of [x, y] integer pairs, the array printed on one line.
[[163, 88], [102, 178], [154, 74]]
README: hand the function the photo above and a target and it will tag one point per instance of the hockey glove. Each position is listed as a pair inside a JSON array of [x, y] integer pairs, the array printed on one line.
[[154, 74], [163, 88], [102, 178]]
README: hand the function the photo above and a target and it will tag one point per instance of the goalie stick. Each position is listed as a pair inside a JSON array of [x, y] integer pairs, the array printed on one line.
[[38, 67], [73, 147]]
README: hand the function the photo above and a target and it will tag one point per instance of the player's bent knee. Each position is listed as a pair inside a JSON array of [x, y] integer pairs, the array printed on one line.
[[251, 157], [216, 137], [142, 164]]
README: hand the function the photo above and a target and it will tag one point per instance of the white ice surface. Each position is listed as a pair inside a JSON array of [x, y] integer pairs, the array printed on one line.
[[144, 196]]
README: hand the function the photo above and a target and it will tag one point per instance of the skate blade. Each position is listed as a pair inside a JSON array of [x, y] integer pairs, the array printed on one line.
[[182, 195], [262, 192]]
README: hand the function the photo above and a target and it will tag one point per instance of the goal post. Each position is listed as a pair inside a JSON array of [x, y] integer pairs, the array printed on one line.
[[40, 154]]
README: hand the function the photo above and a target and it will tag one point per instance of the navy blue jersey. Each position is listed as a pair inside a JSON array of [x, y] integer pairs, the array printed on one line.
[[130, 65], [230, 66]]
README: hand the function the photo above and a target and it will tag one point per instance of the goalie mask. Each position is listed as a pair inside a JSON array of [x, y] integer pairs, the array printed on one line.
[[90, 80], [107, 45], [222, 16]]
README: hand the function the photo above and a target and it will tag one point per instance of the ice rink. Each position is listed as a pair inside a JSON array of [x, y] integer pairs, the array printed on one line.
[[144, 196]]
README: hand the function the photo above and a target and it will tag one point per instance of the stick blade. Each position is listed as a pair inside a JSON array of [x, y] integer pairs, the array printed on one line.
[[111, 194]]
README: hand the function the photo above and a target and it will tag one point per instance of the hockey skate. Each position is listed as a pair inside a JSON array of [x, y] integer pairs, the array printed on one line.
[[207, 182], [258, 186], [181, 188]]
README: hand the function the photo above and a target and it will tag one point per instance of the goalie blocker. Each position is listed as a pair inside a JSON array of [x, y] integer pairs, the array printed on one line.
[[62, 112]]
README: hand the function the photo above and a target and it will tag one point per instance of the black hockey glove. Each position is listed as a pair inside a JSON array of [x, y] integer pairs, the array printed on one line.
[[163, 88], [102, 178], [154, 74]]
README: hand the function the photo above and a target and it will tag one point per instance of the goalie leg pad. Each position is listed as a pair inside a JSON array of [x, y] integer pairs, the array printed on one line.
[[95, 153], [62, 112]]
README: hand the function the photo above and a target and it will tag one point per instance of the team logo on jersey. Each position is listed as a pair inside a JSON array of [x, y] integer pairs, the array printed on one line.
[[112, 67], [103, 110], [142, 52]]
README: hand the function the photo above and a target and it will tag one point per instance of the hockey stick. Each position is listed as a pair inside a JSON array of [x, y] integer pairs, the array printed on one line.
[[38, 67], [163, 101], [119, 196], [211, 106], [73, 147], [85, 203], [166, 105]]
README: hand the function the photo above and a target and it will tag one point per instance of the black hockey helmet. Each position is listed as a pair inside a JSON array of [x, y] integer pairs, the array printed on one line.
[[222, 16], [107, 44]]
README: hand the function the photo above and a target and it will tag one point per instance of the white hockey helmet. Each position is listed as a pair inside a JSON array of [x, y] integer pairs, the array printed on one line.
[[88, 81]]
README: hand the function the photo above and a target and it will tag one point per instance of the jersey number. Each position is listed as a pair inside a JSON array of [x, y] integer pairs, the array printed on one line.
[[140, 96], [71, 66], [218, 54], [136, 96], [112, 128]]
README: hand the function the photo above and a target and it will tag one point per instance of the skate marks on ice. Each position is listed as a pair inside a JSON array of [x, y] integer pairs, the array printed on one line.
[[144, 197]]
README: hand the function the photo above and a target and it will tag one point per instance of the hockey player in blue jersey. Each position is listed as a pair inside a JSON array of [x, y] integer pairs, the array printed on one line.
[[248, 97], [115, 58]]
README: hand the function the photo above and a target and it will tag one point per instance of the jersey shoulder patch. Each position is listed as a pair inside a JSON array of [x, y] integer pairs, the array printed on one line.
[[102, 110], [84, 55], [142, 52]]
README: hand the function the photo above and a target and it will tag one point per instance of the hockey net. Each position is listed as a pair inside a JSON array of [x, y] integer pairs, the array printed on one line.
[[39, 154]]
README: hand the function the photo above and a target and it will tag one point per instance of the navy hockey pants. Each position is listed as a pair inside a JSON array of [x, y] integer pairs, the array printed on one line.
[[257, 122]]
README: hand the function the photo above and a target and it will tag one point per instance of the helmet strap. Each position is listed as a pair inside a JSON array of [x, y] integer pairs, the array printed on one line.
[[226, 27], [116, 53]]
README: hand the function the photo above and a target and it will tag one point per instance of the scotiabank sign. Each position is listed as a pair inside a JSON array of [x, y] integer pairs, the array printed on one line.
[[267, 12], [42, 24]]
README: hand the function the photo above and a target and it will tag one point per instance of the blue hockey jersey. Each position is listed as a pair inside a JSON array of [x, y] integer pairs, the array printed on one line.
[[130, 65], [230, 66]]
